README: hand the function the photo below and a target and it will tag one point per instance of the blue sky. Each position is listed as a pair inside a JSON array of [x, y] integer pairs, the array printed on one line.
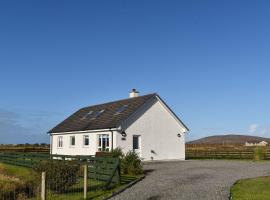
[[209, 60]]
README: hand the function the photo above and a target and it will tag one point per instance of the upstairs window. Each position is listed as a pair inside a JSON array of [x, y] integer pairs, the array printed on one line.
[[60, 141], [121, 109], [72, 141]]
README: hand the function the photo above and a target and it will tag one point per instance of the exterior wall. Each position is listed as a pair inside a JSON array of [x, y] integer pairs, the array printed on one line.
[[79, 148], [158, 130]]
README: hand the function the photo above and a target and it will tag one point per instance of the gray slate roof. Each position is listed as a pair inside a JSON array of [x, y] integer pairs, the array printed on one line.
[[80, 121]]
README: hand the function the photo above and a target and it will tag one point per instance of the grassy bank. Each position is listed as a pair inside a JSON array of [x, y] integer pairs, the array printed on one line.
[[14, 178], [252, 189]]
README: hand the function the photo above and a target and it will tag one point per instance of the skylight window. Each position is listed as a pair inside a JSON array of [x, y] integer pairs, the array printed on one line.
[[97, 114], [87, 115], [121, 109]]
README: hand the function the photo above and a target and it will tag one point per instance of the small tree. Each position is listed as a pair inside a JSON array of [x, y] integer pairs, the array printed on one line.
[[59, 174]]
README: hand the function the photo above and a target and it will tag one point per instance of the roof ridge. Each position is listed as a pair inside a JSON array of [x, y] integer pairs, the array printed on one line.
[[130, 98]]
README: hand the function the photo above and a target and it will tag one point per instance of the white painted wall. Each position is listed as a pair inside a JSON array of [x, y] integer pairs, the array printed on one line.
[[158, 130], [79, 148]]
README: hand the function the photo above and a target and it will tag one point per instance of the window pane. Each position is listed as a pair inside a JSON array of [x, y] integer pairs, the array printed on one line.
[[99, 141], [108, 144], [135, 142], [86, 140], [103, 143], [60, 141], [121, 109], [72, 140]]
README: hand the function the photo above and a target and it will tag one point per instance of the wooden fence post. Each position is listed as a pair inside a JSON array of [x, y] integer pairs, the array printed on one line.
[[43, 186], [85, 182]]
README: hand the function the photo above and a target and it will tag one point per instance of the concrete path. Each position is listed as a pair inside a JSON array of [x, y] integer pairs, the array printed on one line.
[[192, 180]]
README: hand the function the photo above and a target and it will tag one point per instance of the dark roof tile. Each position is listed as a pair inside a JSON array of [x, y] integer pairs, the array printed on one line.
[[107, 119]]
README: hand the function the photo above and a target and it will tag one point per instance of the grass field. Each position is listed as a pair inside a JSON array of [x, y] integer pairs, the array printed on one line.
[[252, 189], [12, 170]]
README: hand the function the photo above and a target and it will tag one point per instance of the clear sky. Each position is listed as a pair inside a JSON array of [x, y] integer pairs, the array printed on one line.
[[209, 60]]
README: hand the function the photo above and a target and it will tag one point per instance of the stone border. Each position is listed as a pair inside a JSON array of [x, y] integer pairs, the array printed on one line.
[[125, 187]]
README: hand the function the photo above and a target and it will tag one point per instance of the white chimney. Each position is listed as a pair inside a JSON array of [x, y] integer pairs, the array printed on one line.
[[133, 93]]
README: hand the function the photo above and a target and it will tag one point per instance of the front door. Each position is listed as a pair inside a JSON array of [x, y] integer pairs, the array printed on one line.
[[137, 144]]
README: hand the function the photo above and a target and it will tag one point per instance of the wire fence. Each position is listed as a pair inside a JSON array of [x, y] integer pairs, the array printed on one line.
[[53, 177], [226, 152]]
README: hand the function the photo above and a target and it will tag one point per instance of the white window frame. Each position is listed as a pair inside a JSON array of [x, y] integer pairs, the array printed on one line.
[[84, 136], [59, 142], [70, 141], [101, 148]]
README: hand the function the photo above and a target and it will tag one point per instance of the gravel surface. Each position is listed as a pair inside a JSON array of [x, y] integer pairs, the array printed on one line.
[[192, 180]]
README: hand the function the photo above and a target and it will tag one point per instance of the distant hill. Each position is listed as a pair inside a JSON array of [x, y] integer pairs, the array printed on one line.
[[229, 139]]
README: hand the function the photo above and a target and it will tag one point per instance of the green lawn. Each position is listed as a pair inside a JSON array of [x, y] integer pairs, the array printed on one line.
[[252, 189], [12, 170]]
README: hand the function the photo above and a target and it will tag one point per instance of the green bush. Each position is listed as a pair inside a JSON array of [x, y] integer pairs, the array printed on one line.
[[131, 164], [59, 174], [117, 153], [259, 153]]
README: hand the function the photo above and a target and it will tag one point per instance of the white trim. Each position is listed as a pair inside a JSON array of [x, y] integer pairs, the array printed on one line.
[[51, 144], [86, 131]]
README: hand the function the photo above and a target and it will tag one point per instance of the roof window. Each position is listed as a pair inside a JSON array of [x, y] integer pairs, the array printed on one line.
[[121, 109], [97, 114], [87, 114]]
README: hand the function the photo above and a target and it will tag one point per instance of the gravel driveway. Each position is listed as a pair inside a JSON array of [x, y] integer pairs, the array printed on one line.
[[192, 180]]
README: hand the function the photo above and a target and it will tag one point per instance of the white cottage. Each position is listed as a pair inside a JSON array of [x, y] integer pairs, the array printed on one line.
[[144, 124]]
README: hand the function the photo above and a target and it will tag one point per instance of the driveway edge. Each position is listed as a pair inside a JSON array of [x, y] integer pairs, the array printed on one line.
[[125, 187]]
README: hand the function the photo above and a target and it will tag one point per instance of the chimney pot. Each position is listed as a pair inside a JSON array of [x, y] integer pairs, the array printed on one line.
[[133, 93]]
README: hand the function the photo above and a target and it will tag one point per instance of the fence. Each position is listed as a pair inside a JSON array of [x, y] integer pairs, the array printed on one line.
[[25, 149], [224, 152], [23, 159], [95, 174]]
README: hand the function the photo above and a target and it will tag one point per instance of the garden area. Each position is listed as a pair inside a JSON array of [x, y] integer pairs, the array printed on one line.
[[65, 178]]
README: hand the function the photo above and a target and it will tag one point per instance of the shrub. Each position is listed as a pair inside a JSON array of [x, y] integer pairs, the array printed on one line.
[[59, 174], [117, 153], [131, 164], [259, 153]]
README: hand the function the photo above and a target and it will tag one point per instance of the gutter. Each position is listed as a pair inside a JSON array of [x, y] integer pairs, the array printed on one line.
[[86, 131]]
